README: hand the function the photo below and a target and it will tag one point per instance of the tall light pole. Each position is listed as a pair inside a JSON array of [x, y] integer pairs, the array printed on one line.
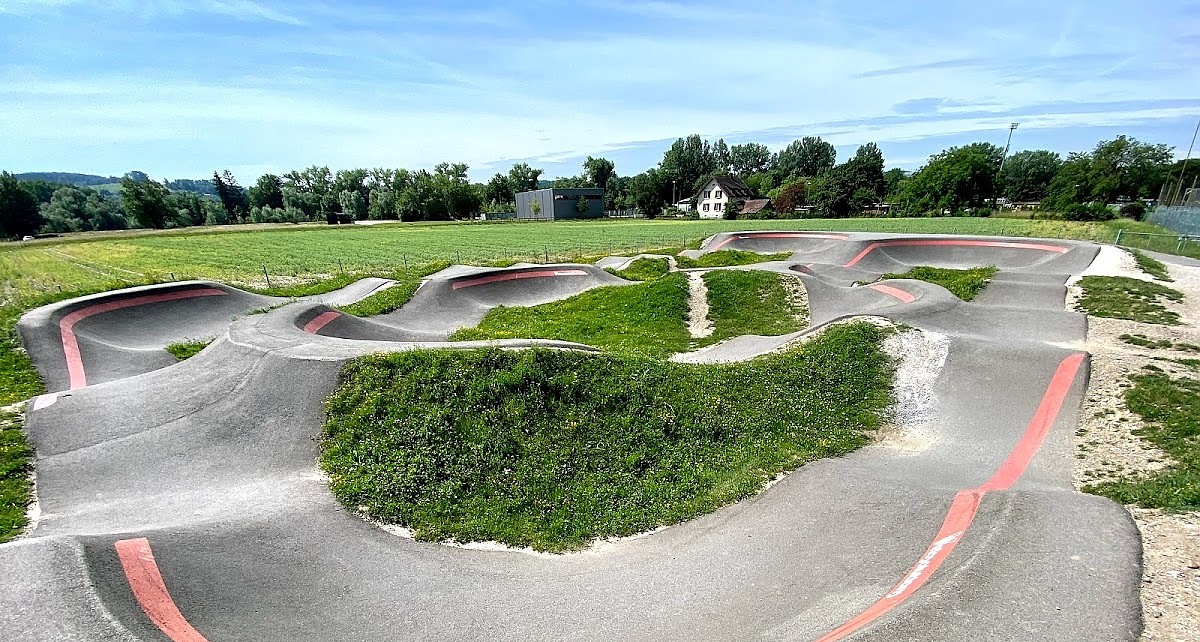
[[1003, 157]]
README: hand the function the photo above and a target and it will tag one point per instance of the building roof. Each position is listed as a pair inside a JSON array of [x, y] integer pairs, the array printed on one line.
[[733, 186], [754, 205]]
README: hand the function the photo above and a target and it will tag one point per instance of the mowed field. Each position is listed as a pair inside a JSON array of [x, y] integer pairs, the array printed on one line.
[[312, 252]]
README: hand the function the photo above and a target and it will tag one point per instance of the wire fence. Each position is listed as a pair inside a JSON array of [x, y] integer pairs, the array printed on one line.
[[1184, 219], [1178, 244]]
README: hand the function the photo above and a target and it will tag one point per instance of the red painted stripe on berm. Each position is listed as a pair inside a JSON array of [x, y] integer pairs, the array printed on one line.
[[1041, 247], [897, 293], [966, 503], [320, 321], [777, 235], [66, 325], [146, 582], [510, 276]]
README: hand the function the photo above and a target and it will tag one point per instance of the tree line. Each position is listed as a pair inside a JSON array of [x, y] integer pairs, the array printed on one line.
[[803, 178]]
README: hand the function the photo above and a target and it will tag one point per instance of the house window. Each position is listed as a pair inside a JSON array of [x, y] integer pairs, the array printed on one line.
[[718, 193], [717, 207], [708, 194], [706, 207]]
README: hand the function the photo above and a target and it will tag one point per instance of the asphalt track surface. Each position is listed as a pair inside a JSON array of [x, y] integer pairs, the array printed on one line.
[[184, 502]]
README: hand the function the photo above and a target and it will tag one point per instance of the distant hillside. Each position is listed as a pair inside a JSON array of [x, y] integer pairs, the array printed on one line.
[[68, 178], [202, 186]]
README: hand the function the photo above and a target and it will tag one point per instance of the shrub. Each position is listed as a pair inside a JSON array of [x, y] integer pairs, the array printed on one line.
[[1088, 212], [1135, 210]]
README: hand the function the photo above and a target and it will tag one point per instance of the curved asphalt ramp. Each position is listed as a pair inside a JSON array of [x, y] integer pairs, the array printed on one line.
[[186, 502], [460, 297]]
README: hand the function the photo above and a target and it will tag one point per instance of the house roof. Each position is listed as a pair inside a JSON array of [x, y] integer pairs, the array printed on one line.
[[733, 186], [754, 205]]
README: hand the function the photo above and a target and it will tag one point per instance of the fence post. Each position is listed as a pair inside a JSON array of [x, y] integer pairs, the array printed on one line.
[[340, 268], [266, 276], [1119, 231], [1179, 245]]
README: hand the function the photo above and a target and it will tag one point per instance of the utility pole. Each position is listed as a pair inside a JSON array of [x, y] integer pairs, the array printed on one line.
[[1003, 157]]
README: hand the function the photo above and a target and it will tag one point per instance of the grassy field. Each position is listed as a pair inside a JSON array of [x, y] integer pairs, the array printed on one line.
[[314, 251], [553, 449], [15, 465], [1171, 409], [964, 284]]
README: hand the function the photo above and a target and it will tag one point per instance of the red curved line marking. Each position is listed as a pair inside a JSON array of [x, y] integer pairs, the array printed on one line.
[[1020, 246], [510, 276], [904, 297], [777, 235], [966, 503], [66, 325], [151, 593], [320, 321]]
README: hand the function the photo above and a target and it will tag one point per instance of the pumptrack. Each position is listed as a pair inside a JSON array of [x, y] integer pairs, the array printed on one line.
[[182, 501]]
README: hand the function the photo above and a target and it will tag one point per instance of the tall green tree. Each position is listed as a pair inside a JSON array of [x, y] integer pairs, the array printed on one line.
[[1128, 168], [866, 170], [599, 171], [750, 158], [267, 191], [809, 156], [686, 162], [957, 178], [722, 157], [233, 196], [498, 189], [647, 192], [18, 208], [1026, 175], [892, 179], [146, 202], [523, 178]]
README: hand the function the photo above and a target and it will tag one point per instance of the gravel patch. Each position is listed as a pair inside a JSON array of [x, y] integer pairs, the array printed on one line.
[[920, 356], [1107, 449], [699, 325]]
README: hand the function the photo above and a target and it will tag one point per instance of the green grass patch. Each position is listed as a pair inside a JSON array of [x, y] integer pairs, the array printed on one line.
[[643, 269], [554, 449], [16, 462], [750, 302], [964, 284], [384, 301], [188, 348], [1143, 341], [1150, 265], [647, 319], [1120, 297], [727, 258], [1171, 410]]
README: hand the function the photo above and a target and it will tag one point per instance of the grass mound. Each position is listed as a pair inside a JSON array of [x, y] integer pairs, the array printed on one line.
[[647, 319], [1171, 409], [1120, 297], [644, 269], [964, 284], [554, 449], [751, 302], [726, 258], [188, 348]]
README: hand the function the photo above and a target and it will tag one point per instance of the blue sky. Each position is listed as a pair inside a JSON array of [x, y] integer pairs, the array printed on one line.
[[179, 88]]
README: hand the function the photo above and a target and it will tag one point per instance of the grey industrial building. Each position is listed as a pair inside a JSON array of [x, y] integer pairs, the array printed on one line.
[[557, 203]]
